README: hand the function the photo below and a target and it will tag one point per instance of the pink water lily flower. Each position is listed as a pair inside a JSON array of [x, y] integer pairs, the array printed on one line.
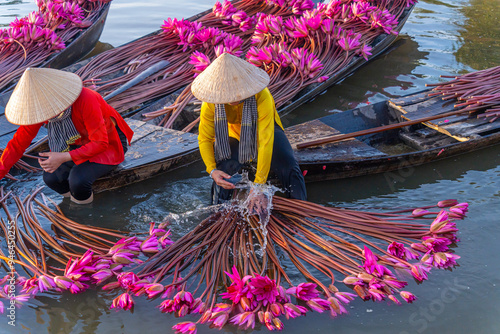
[[185, 328], [371, 266], [318, 305], [123, 301], [460, 209], [407, 296], [219, 319], [348, 43], [127, 280], [397, 249], [45, 283], [264, 289], [447, 203], [153, 289], [304, 291], [244, 320], [150, 245], [63, 282], [420, 213], [238, 288], [102, 276], [365, 51], [294, 311]]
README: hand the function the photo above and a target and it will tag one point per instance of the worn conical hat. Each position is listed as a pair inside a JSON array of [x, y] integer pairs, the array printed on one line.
[[41, 94], [229, 79]]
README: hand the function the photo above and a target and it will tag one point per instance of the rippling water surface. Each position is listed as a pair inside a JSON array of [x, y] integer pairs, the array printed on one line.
[[440, 37]]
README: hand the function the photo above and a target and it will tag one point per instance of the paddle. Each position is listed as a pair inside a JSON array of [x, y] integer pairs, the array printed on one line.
[[336, 138], [143, 75]]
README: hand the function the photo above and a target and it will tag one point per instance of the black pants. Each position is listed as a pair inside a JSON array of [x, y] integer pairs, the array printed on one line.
[[78, 179], [283, 166]]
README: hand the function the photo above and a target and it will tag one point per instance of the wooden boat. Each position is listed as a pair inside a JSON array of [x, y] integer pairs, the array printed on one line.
[[389, 150], [81, 45]]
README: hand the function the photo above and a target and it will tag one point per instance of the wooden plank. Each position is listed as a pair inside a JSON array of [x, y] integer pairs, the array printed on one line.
[[410, 99], [351, 149], [431, 107], [153, 143], [425, 143], [484, 129], [309, 131]]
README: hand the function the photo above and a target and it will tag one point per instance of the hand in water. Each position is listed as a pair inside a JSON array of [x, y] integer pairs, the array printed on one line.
[[219, 178], [257, 202]]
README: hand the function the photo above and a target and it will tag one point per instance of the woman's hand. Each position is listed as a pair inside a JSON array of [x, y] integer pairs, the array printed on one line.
[[53, 161], [219, 178]]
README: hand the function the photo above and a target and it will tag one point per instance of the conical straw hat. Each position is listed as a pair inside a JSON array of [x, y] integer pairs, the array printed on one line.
[[229, 79], [41, 94]]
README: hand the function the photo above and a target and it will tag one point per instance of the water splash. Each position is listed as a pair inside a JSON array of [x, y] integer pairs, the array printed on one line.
[[255, 199]]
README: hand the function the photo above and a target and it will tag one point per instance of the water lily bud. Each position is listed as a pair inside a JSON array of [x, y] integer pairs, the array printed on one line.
[[447, 202]]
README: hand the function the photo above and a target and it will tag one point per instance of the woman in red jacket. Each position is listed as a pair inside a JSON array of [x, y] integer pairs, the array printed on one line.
[[87, 137]]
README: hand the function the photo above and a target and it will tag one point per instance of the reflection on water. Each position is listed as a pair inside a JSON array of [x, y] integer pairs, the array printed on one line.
[[440, 37], [480, 35]]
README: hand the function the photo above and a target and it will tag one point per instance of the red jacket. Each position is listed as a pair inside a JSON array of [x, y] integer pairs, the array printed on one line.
[[99, 140]]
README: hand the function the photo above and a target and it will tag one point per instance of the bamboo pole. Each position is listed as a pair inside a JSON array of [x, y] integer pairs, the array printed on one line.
[[336, 138]]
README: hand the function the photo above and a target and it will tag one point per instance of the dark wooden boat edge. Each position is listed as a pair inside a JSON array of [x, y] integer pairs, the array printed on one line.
[[144, 172]]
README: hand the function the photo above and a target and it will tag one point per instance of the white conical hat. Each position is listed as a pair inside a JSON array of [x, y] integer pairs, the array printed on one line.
[[41, 94], [229, 79]]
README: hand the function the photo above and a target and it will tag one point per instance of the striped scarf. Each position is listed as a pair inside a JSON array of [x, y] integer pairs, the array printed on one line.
[[248, 135], [62, 132]]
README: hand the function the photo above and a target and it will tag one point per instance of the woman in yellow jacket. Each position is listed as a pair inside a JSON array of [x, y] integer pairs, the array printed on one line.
[[239, 125]]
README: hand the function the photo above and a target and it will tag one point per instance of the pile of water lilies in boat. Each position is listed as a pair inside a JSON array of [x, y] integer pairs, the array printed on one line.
[[293, 40], [475, 92], [29, 41], [335, 249]]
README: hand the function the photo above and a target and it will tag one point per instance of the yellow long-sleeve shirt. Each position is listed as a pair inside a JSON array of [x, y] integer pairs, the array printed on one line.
[[267, 115]]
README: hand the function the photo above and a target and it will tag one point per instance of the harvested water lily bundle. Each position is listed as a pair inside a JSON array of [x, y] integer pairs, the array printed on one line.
[[70, 257], [371, 253], [247, 256]]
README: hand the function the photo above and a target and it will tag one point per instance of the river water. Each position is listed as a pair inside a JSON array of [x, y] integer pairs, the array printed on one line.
[[440, 37]]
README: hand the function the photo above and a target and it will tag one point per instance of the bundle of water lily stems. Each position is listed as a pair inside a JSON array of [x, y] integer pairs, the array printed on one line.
[[281, 36], [372, 253], [479, 91], [29, 41]]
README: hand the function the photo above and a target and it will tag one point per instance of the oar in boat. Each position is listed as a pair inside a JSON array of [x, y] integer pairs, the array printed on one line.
[[336, 138], [143, 75]]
